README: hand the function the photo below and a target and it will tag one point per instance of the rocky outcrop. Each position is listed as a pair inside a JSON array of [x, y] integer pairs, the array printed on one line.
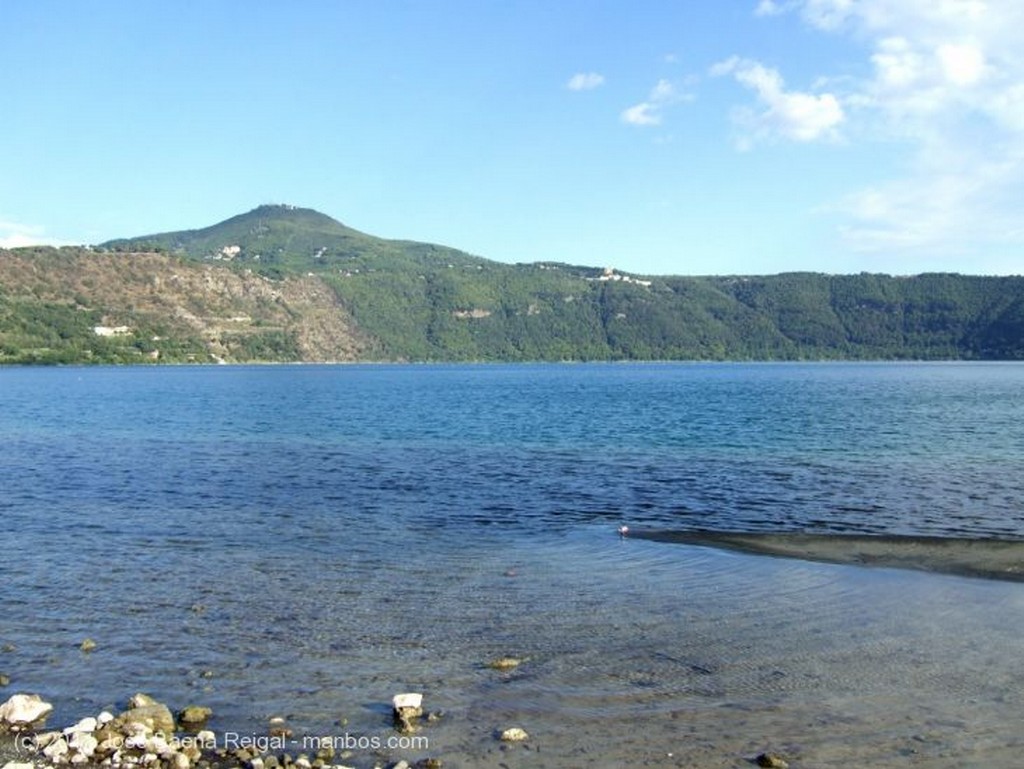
[[22, 711]]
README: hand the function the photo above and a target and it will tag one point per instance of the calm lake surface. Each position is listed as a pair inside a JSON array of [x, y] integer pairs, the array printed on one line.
[[308, 541]]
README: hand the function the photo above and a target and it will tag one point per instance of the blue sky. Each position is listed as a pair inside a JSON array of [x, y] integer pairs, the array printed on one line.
[[676, 137]]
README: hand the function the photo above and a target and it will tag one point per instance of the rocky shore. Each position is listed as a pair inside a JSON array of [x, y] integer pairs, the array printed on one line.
[[147, 734]]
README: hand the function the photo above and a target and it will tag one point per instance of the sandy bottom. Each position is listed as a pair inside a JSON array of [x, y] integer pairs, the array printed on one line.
[[636, 653]]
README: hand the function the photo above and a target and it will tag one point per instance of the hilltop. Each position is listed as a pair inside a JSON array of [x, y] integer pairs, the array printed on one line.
[[281, 283]]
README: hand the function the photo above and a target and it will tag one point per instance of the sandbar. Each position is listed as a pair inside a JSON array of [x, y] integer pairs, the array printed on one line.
[[1001, 559]]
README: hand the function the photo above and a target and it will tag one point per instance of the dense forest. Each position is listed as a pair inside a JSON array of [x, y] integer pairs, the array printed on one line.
[[288, 284]]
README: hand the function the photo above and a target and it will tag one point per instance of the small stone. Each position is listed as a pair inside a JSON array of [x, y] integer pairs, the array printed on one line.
[[505, 663], [85, 725], [5, 681], [771, 761], [428, 763], [514, 734], [56, 749], [179, 761], [403, 764], [110, 745], [83, 743], [8, 648], [104, 718], [135, 742], [87, 645], [206, 737]]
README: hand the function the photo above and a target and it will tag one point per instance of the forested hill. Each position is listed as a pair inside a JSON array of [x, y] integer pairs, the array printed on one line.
[[281, 284]]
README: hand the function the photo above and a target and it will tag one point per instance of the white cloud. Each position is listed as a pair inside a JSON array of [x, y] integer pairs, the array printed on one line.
[[770, 8], [942, 78], [642, 114], [649, 112], [585, 81], [17, 235], [795, 115], [963, 64]]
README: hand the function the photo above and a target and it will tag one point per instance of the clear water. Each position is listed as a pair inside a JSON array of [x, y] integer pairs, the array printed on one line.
[[351, 532]]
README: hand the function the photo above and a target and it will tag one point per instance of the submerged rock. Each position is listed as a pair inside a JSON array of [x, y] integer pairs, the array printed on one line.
[[278, 727], [505, 663], [194, 715], [87, 645], [406, 708], [23, 710], [514, 734], [4, 680], [772, 761], [141, 700]]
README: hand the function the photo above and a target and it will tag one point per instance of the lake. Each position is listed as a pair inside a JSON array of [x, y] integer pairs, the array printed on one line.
[[307, 541]]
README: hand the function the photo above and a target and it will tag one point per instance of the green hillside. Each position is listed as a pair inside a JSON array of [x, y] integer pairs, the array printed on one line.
[[277, 240], [282, 283]]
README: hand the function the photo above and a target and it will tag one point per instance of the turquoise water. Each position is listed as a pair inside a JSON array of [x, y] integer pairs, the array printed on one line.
[[310, 540]]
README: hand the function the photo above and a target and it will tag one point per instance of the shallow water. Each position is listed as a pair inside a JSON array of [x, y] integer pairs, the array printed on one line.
[[309, 541]]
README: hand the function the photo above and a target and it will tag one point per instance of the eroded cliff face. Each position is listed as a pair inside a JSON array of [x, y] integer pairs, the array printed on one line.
[[164, 303]]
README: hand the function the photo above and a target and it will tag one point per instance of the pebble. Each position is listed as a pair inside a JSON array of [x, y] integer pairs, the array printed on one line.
[[505, 663], [514, 734]]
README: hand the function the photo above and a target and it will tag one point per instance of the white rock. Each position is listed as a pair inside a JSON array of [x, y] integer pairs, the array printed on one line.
[[104, 718], [135, 742], [407, 700], [85, 725], [111, 745], [18, 765], [45, 738], [206, 738], [56, 749], [515, 734], [84, 743], [24, 709], [141, 700], [78, 759]]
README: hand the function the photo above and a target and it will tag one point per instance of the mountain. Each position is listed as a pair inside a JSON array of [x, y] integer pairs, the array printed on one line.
[[281, 283], [277, 239]]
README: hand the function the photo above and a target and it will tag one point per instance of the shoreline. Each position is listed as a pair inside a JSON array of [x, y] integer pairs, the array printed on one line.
[[996, 559]]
